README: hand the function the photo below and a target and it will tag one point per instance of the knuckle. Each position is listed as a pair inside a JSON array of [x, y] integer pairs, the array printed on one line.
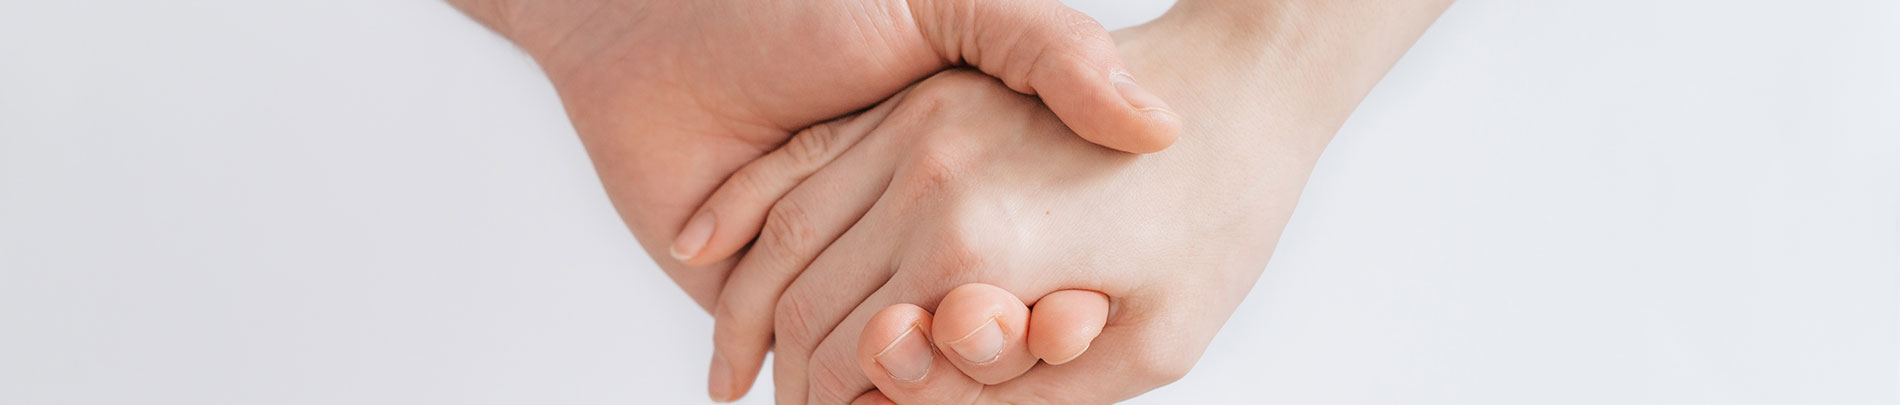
[[952, 19], [959, 250], [748, 185], [1078, 28], [830, 384], [955, 259], [1076, 45], [937, 166], [787, 228], [1071, 30], [794, 324], [948, 94], [809, 148], [934, 171], [926, 102]]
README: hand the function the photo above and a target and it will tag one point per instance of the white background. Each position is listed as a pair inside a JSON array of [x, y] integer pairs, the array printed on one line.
[[373, 201]]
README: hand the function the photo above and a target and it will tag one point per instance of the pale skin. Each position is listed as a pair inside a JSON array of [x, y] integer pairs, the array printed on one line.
[[671, 97], [926, 199], [1174, 239]]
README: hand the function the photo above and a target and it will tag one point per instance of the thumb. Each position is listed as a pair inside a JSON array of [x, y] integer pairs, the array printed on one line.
[[1044, 48]]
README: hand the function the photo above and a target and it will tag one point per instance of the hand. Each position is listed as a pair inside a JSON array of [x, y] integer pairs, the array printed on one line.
[[954, 201], [985, 185], [986, 328], [670, 97]]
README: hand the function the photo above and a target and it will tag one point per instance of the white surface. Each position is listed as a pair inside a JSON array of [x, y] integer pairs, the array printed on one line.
[[1632, 202]]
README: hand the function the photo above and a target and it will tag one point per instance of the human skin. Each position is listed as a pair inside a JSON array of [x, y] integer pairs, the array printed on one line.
[[961, 181], [670, 97]]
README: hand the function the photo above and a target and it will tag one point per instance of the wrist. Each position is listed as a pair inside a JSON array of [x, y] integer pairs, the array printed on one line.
[[538, 27], [1262, 87], [1274, 75], [1236, 95]]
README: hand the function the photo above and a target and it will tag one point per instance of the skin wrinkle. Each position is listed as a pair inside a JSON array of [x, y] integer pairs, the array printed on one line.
[[971, 28], [890, 35], [885, 274], [732, 120], [629, 89], [917, 17], [1023, 71], [835, 331], [1280, 120], [562, 43], [1029, 70]]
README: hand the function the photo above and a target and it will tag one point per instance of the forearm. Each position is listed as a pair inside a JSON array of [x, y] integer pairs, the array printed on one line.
[[1261, 87], [1284, 73], [539, 27], [1369, 33]]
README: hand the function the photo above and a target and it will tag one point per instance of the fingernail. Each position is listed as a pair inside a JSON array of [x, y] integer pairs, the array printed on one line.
[[719, 380], [982, 345], [694, 237], [1136, 96], [908, 358], [1073, 353]]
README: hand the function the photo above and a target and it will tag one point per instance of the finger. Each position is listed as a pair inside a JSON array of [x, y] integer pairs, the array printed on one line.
[[1045, 48], [873, 398], [895, 353], [824, 295], [798, 228], [924, 281], [734, 214], [983, 329], [1135, 353], [833, 289], [1064, 323]]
